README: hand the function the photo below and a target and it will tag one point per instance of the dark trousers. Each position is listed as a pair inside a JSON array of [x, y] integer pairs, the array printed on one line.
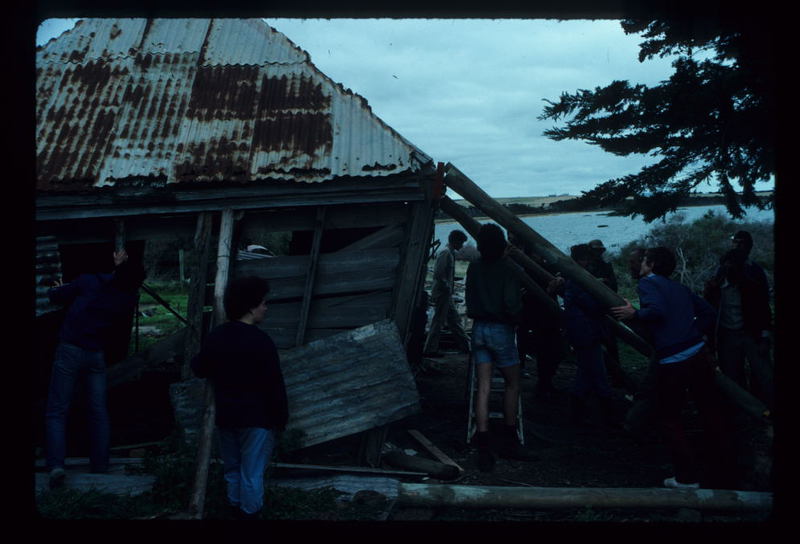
[[736, 347], [693, 378]]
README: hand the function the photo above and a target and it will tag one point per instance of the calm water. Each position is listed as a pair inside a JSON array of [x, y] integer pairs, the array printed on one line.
[[567, 229]]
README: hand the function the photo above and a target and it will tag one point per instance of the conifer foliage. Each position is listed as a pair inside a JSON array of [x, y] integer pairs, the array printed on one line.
[[711, 121]]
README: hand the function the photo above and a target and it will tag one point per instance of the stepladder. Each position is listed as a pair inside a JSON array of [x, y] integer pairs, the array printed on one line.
[[496, 394]]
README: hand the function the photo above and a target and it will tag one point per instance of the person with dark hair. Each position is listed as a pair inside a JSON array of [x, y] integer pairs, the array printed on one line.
[[539, 334], [583, 320], [97, 304], [604, 271], [445, 313], [740, 292], [678, 321], [241, 362], [494, 302]]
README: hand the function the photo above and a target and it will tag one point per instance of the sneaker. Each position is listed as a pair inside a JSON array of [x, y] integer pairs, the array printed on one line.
[[675, 484], [57, 477]]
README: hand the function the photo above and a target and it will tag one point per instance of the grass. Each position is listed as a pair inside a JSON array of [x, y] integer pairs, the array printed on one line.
[[153, 314]]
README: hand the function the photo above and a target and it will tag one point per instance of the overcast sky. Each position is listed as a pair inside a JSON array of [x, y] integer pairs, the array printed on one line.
[[469, 91]]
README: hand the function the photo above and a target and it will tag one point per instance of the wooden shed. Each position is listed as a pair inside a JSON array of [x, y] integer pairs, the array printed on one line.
[[224, 130]]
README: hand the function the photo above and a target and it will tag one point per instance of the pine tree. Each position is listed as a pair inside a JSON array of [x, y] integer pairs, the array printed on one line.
[[712, 121]]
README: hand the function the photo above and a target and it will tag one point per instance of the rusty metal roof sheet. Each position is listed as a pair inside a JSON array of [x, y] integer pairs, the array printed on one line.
[[164, 101]]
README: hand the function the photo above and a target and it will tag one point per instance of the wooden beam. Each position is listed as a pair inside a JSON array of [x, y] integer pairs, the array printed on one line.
[[252, 197], [551, 255], [436, 452], [463, 496], [224, 244], [311, 276], [198, 275]]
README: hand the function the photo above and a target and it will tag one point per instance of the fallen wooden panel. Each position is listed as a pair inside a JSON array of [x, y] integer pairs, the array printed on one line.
[[348, 383], [464, 496]]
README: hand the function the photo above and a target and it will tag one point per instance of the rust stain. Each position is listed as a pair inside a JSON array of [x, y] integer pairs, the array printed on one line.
[[223, 92], [303, 132]]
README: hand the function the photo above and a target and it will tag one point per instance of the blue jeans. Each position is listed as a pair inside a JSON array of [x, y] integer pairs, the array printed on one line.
[[494, 343], [72, 363], [245, 454]]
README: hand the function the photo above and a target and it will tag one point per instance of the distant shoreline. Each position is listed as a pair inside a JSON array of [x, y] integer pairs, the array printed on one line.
[[540, 205]]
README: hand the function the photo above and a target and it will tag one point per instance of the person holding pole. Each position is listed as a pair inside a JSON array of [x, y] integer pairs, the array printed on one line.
[[679, 321], [241, 362], [97, 304], [494, 302]]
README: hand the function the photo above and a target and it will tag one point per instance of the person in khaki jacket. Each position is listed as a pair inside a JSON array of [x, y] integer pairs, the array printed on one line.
[[445, 313]]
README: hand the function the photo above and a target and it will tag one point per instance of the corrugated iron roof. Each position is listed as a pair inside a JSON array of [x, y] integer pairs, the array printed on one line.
[[161, 101]]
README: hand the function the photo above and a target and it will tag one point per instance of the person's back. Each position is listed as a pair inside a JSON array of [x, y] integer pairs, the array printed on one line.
[[676, 317], [493, 292], [242, 362]]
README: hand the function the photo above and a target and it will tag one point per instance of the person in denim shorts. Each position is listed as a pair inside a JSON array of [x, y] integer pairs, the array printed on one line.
[[494, 302]]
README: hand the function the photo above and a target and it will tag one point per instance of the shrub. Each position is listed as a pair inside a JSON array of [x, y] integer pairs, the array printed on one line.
[[698, 247]]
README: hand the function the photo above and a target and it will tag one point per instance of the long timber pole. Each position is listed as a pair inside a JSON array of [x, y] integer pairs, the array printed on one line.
[[557, 260], [472, 226]]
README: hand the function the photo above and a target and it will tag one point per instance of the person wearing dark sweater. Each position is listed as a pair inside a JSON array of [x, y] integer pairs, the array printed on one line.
[[241, 362], [583, 322], [679, 321], [96, 305], [494, 302]]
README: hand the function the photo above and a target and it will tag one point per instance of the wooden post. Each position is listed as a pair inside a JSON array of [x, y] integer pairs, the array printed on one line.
[[197, 501], [311, 276], [119, 234], [535, 498], [198, 274]]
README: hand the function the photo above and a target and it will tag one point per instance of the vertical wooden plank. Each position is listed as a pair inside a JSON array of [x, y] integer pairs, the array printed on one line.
[[411, 272], [119, 234], [204, 449], [311, 276], [223, 263], [198, 276]]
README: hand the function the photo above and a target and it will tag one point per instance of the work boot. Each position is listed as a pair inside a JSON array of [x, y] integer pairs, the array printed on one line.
[[485, 457], [510, 448]]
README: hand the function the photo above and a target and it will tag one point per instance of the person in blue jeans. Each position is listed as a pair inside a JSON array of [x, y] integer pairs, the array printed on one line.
[[96, 304], [494, 302], [241, 362]]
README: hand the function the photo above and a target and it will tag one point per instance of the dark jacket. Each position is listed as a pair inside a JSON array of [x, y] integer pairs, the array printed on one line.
[[676, 317], [242, 363], [493, 292], [583, 316], [603, 270], [754, 290], [96, 306]]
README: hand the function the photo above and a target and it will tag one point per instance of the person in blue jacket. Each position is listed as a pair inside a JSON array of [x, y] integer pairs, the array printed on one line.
[[241, 361], [97, 303], [679, 321]]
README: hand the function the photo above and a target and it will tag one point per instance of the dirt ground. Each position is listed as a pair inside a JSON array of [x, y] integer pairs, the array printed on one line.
[[569, 455]]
